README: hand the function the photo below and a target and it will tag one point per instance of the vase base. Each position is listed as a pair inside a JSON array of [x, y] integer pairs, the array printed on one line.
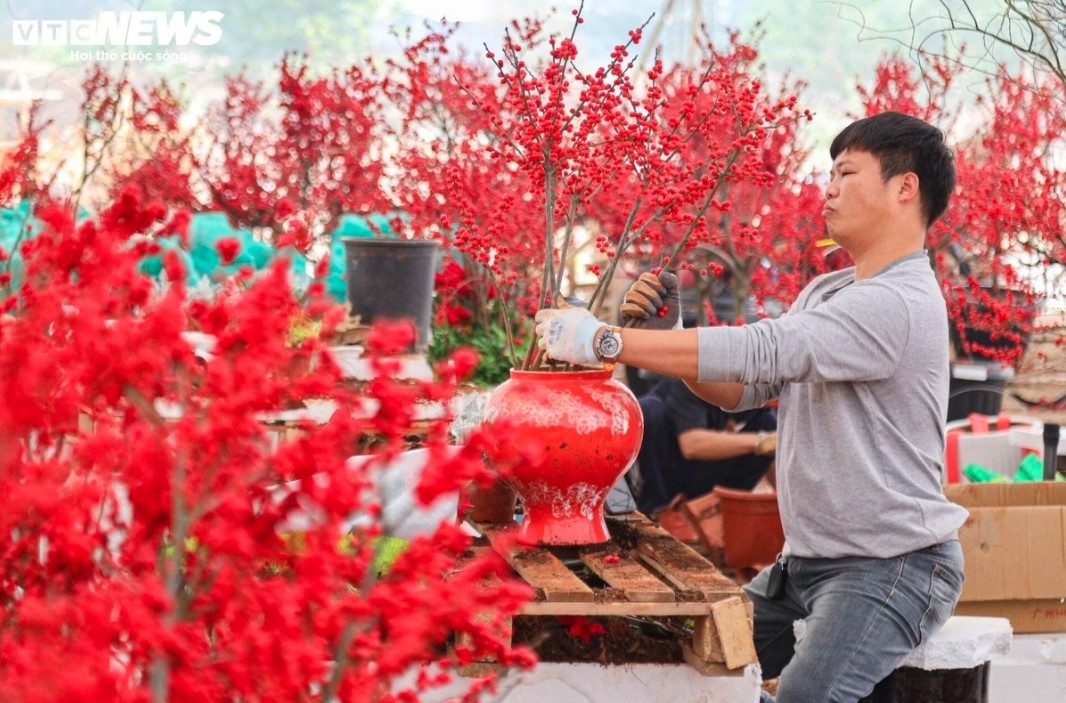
[[563, 531]]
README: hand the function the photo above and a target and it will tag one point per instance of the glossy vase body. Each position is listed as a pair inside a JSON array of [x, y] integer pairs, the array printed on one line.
[[583, 430]]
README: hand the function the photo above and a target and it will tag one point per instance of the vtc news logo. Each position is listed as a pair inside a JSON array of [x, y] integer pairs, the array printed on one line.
[[129, 28]]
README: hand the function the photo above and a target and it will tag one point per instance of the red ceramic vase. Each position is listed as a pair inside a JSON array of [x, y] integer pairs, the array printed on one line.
[[586, 428]]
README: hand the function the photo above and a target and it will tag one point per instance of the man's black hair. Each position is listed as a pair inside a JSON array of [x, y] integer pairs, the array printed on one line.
[[905, 144]]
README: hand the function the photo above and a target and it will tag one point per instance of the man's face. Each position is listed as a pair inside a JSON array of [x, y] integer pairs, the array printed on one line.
[[858, 205]]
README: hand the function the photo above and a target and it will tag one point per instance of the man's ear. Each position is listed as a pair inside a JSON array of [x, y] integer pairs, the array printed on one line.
[[908, 187]]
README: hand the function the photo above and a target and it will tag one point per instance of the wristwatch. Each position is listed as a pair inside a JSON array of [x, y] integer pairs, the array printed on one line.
[[609, 345]]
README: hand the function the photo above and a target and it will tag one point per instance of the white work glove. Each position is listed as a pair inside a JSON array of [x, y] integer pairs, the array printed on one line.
[[566, 334], [653, 302]]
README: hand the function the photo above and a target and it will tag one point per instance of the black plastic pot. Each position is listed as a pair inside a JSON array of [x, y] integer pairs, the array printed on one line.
[[392, 279], [915, 685], [977, 387]]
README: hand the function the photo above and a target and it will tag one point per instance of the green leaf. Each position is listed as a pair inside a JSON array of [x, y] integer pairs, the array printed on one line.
[[386, 551]]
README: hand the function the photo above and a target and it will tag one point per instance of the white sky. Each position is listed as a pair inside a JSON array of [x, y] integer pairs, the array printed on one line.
[[454, 10]]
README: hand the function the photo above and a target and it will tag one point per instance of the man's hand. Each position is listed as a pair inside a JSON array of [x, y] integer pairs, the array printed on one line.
[[765, 443], [653, 302], [567, 334]]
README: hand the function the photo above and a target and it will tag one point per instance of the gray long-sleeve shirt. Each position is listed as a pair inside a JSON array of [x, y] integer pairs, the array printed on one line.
[[861, 370]]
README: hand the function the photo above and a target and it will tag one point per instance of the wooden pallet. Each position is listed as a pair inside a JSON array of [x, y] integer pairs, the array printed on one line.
[[644, 572]]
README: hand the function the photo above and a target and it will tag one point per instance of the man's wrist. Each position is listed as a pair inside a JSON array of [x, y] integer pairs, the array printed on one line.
[[596, 340], [606, 352]]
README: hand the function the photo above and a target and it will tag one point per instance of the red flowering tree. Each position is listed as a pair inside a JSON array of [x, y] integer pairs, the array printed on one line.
[[761, 243], [286, 160], [161, 544], [1007, 214], [135, 138], [296, 158], [540, 151], [447, 185]]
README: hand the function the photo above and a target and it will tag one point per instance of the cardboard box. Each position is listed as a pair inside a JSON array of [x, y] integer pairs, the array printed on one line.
[[1014, 543]]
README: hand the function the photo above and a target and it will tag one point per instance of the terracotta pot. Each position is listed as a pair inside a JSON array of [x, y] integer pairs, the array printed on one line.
[[751, 526], [494, 504], [585, 429]]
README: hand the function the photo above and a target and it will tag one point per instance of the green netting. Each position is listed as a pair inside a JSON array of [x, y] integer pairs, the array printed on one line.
[[258, 252], [202, 262], [205, 231], [17, 225], [13, 222], [153, 265]]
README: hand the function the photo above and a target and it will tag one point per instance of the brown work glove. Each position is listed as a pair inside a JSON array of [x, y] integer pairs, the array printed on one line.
[[765, 444], [653, 302]]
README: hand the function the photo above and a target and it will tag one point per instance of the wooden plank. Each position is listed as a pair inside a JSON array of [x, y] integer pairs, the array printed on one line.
[[596, 608], [477, 670], [705, 642], [679, 564], [734, 632], [623, 573], [540, 568], [706, 668]]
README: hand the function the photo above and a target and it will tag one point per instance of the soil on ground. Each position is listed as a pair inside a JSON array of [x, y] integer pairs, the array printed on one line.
[[623, 640]]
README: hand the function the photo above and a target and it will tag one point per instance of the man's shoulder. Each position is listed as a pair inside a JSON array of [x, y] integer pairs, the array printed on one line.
[[832, 277], [822, 286]]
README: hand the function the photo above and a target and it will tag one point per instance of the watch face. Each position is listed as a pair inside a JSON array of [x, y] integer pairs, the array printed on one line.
[[610, 345]]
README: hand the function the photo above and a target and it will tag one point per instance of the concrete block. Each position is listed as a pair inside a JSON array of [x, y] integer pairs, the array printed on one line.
[[633, 683], [1030, 672], [964, 642]]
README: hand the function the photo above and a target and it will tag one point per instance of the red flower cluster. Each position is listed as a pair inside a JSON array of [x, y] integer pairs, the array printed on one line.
[[148, 548], [160, 542], [534, 154], [582, 628]]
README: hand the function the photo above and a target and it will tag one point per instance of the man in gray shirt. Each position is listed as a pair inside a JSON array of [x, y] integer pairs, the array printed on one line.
[[860, 367]]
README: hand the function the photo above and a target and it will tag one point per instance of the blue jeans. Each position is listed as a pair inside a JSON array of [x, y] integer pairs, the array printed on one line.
[[863, 617]]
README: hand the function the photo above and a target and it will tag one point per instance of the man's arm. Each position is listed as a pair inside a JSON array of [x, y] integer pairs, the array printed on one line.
[[723, 394], [666, 352], [674, 353], [714, 445]]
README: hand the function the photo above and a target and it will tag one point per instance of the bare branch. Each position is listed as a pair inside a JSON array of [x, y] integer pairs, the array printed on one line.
[[976, 33]]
